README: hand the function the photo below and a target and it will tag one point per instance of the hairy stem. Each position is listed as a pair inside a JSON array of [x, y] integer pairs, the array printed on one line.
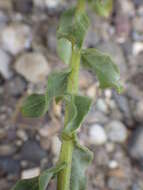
[[67, 145]]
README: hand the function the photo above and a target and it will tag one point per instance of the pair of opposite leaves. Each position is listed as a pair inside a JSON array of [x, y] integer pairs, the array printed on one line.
[[71, 33], [80, 161]]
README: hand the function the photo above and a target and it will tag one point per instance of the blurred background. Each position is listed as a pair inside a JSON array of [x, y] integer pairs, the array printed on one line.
[[113, 129]]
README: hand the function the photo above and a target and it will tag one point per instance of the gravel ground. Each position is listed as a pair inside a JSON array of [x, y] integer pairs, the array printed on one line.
[[113, 129]]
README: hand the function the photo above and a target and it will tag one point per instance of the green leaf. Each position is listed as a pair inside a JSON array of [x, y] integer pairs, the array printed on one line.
[[73, 26], [78, 109], [47, 175], [102, 7], [107, 72], [27, 184], [57, 85], [64, 50], [34, 106], [41, 182], [81, 158]]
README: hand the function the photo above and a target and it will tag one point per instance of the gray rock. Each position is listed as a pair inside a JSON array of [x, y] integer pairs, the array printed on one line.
[[96, 117], [23, 6], [7, 149], [97, 135], [123, 105], [52, 3], [6, 5], [47, 3], [139, 111], [9, 165], [16, 86], [15, 38], [5, 60], [138, 2], [116, 131], [3, 19], [51, 39], [115, 183], [101, 105], [31, 151], [138, 185], [135, 145], [137, 24], [33, 66]]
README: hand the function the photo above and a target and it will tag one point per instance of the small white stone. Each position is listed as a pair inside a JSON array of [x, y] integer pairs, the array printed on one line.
[[30, 173], [15, 38], [47, 3], [4, 64], [56, 145], [101, 105], [97, 135], [22, 135], [91, 92], [116, 131], [44, 131], [33, 66], [137, 48], [110, 147], [113, 164], [52, 3]]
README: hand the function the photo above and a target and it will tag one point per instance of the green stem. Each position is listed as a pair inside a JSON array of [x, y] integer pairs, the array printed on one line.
[[81, 5], [67, 145]]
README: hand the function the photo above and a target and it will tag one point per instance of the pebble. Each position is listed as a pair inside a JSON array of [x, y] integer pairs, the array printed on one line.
[[97, 135], [101, 105], [56, 145], [96, 117], [101, 158], [9, 165], [51, 40], [139, 111], [22, 135], [33, 66], [115, 183], [7, 149], [15, 38], [113, 164], [44, 131], [16, 86], [5, 60], [30, 173], [137, 24], [2, 133], [6, 4], [45, 143], [123, 105], [135, 145], [31, 151], [137, 48], [91, 92], [52, 3], [23, 6], [116, 131], [138, 2]]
